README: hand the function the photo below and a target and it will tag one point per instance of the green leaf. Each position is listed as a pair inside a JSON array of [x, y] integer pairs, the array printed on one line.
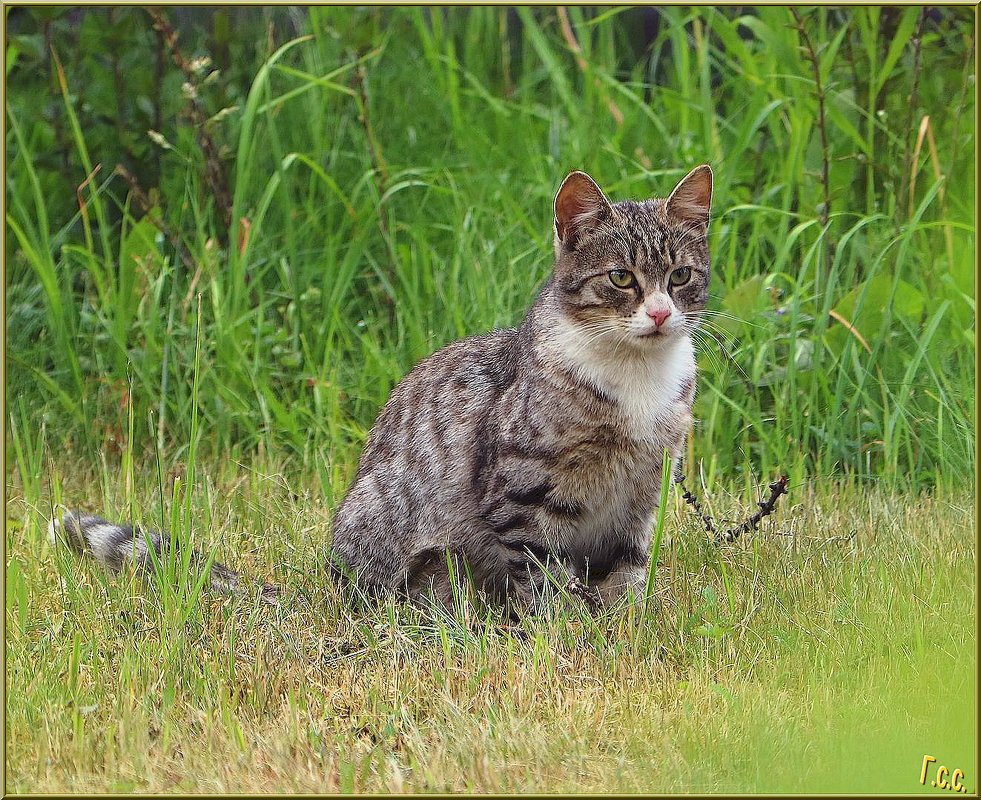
[[12, 52], [866, 306], [712, 630], [899, 40], [746, 300], [139, 245]]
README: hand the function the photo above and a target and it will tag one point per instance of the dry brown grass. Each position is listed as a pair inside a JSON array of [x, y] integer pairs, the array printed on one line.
[[793, 661]]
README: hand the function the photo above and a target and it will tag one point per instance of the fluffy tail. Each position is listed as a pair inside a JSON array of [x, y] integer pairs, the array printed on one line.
[[114, 546]]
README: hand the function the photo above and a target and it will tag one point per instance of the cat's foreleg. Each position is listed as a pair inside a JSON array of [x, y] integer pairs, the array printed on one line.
[[534, 585], [681, 425], [624, 579]]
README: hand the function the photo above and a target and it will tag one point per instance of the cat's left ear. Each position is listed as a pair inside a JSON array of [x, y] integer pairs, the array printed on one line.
[[691, 199]]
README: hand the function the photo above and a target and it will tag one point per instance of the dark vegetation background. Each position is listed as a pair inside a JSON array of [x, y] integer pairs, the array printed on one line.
[[235, 229]]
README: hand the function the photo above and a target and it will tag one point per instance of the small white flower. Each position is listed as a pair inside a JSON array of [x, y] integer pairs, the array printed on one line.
[[159, 140], [200, 63]]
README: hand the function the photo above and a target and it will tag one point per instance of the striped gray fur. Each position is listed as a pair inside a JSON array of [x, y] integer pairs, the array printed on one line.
[[116, 546], [530, 449], [543, 445]]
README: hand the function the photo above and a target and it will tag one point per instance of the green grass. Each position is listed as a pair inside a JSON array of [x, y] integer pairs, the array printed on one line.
[[391, 174], [829, 652], [395, 170]]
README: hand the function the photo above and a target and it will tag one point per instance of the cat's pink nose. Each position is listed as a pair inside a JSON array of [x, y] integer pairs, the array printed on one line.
[[659, 315]]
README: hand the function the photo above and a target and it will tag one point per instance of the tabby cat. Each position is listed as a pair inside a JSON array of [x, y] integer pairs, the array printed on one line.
[[529, 456]]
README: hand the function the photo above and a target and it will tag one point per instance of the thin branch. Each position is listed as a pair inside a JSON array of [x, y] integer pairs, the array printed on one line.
[[955, 133], [965, 83], [822, 127], [214, 168], [379, 166], [911, 110], [697, 506], [766, 507], [157, 219], [158, 79]]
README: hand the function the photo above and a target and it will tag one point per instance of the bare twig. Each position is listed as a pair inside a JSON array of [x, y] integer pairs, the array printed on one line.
[[955, 133], [157, 219], [364, 117], [911, 109], [823, 131], [822, 127], [506, 53], [766, 507], [695, 504], [965, 83], [158, 79], [214, 168], [380, 167]]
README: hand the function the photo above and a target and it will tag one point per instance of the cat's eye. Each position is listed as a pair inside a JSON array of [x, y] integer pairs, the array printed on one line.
[[622, 278], [680, 276]]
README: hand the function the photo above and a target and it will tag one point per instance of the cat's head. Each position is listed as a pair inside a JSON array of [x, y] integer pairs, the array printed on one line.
[[632, 274]]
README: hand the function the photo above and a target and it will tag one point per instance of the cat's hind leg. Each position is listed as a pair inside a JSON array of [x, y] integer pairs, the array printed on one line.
[[436, 576]]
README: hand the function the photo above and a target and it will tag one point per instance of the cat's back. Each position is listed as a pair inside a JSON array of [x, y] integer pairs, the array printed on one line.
[[440, 402]]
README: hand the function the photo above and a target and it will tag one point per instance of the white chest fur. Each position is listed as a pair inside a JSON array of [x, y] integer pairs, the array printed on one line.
[[645, 383], [646, 389]]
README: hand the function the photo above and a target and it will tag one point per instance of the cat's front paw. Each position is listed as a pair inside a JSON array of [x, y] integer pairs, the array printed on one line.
[[588, 594]]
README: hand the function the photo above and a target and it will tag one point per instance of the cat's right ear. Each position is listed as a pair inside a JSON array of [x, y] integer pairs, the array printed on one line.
[[580, 208], [691, 199]]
